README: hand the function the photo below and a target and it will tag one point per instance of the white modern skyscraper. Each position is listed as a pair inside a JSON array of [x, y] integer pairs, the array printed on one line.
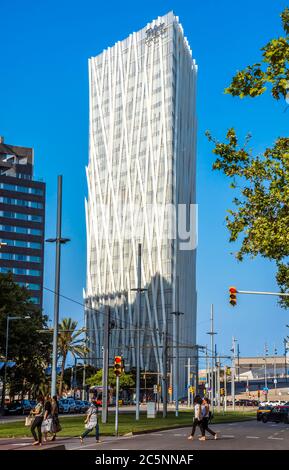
[[142, 155]]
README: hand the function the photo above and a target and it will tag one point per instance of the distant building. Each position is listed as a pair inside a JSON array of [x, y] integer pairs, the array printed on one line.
[[142, 155], [22, 219]]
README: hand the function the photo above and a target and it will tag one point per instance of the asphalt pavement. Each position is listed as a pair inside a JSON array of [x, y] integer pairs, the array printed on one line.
[[248, 435]]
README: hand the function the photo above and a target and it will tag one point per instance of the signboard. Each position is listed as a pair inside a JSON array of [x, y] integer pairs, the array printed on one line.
[[192, 389], [275, 381], [151, 409]]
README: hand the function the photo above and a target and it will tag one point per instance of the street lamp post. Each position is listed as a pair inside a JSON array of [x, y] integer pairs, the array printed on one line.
[[58, 242], [8, 319]]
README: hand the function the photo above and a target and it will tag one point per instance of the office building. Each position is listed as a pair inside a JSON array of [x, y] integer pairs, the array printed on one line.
[[22, 219], [142, 160]]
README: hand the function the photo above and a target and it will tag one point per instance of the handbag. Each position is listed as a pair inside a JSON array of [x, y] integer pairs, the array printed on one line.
[[46, 425], [55, 425], [29, 420]]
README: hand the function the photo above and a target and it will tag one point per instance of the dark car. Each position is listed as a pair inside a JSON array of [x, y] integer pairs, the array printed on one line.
[[278, 414], [14, 408], [263, 410]]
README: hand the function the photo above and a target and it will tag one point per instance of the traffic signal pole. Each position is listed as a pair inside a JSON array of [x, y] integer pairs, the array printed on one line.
[[116, 405], [105, 363]]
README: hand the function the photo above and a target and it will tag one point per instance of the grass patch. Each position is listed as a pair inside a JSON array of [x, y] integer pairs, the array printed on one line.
[[74, 426]]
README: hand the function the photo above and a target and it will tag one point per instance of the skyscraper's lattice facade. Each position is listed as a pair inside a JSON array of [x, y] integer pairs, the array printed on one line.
[[142, 154]]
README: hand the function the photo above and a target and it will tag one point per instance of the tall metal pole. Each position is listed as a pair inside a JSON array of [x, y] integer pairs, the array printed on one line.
[[212, 359], [275, 374], [189, 381], [5, 364], [285, 359], [218, 385], [238, 355], [265, 374], [116, 405], [165, 376], [57, 286], [225, 388], [233, 372], [138, 334], [83, 397], [105, 363]]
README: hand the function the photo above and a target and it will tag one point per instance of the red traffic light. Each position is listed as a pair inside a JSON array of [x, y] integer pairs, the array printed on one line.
[[117, 360], [233, 296]]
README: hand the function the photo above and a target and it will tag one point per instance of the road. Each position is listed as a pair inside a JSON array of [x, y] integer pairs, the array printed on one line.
[[248, 435]]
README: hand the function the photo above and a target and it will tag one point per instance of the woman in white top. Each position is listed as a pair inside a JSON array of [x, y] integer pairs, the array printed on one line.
[[198, 415], [91, 422]]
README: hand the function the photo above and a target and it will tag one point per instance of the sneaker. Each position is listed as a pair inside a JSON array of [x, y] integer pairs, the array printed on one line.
[[215, 437], [203, 438], [190, 438]]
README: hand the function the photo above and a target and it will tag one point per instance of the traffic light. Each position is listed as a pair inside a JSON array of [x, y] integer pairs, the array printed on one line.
[[233, 296], [222, 391], [118, 365]]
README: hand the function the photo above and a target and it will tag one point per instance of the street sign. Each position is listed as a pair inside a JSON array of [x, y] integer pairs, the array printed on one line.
[[192, 389], [275, 381], [206, 385]]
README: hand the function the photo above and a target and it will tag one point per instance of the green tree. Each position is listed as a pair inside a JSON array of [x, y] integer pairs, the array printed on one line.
[[27, 346], [260, 217], [126, 380], [69, 341]]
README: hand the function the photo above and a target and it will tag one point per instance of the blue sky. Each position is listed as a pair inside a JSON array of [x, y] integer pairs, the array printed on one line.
[[44, 103]]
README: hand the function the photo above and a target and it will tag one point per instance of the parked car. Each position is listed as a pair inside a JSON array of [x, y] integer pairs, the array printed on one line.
[[79, 406], [278, 414], [13, 408], [66, 406]]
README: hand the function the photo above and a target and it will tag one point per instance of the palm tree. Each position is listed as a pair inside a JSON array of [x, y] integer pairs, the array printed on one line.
[[69, 342]]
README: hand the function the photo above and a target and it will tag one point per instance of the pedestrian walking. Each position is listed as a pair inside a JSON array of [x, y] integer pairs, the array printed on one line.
[[198, 415], [47, 418], [38, 412], [91, 422], [55, 426], [205, 420]]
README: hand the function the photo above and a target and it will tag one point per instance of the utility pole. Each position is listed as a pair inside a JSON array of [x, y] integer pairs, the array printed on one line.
[[116, 405], [165, 375], [139, 290], [238, 355], [285, 358], [176, 355], [225, 388], [189, 381], [218, 385], [58, 242], [265, 374], [233, 371], [275, 374], [212, 333], [105, 363]]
